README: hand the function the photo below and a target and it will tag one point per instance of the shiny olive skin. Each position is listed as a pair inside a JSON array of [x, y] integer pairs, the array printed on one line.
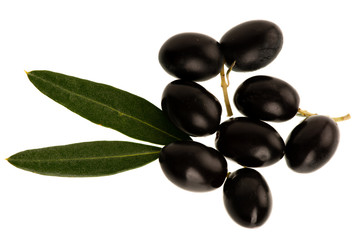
[[193, 166], [311, 144], [247, 198], [252, 44], [249, 142], [191, 108], [267, 98], [191, 56]]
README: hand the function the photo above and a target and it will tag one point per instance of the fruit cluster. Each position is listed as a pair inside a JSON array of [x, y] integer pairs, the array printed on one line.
[[249, 141]]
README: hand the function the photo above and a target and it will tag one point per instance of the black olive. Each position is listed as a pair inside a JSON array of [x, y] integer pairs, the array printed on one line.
[[193, 166], [249, 142], [191, 56], [252, 44], [311, 144], [191, 108], [267, 98], [247, 198]]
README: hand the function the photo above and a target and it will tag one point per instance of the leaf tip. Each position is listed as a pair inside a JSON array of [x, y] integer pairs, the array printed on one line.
[[27, 73]]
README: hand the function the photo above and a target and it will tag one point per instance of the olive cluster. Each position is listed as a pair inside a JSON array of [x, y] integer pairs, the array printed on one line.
[[249, 141]]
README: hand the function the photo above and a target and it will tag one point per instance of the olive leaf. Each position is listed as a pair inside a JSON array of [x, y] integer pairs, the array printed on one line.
[[108, 106], [88, 159]]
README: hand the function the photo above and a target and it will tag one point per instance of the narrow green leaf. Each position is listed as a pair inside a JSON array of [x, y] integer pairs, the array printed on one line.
[[88, 159], [108, 106]]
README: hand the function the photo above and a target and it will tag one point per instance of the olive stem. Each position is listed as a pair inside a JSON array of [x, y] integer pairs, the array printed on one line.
[[305, 113], [228, 72], [224, 86]]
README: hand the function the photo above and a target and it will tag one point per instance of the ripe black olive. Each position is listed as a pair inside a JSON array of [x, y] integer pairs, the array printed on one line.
[[193, 166], [247, 198], [191, 56], [267, 98], [191, 108], [311, 144], [249, 142], [252, 44]]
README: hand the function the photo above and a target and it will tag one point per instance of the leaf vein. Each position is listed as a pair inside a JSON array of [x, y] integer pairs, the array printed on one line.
[[89, 158]]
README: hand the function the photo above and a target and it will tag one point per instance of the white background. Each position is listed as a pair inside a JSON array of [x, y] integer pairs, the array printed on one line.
[[117, 43]]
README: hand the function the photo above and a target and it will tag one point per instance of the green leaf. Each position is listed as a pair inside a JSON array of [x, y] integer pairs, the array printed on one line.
[[87, 159], [109, 107]]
